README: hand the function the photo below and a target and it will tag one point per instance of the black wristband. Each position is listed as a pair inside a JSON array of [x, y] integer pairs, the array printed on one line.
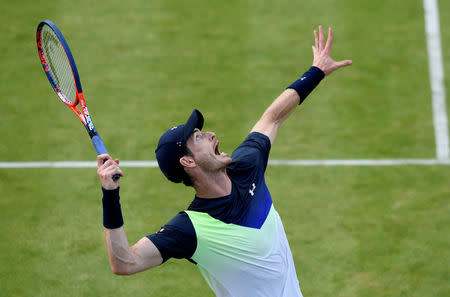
[[305, 84], [112, 212]]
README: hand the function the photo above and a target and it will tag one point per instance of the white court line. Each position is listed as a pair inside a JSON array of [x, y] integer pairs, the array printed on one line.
[[360, 162], [73, 164], [440, 121], [153, 164]]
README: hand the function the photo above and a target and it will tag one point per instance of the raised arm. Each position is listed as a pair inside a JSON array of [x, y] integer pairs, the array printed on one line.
[[124, 259], [295, 94]]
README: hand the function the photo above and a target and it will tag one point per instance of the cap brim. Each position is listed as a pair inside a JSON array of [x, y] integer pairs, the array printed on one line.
[[195, 121]]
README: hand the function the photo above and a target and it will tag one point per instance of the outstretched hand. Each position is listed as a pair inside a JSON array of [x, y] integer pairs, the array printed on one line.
[[322, 53]]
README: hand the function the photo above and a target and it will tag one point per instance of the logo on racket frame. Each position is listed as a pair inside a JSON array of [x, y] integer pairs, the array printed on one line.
[[42, 55]]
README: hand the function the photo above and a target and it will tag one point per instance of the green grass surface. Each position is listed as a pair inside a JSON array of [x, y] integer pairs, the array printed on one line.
[[374, 231], [144, 65], [145, 68]]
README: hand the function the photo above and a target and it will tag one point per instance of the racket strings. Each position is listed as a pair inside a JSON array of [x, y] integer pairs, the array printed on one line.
[[58, 63]]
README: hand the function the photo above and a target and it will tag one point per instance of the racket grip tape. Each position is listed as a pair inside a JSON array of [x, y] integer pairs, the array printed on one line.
[[99, 146], [101, 149]]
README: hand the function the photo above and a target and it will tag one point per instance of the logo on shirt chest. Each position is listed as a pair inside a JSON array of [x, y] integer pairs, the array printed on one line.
[[251, 191]]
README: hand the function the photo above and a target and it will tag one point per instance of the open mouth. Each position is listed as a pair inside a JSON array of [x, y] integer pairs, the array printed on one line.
[[216, 149]]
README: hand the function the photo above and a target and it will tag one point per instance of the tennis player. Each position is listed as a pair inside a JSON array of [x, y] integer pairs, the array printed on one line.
[[231, 230]]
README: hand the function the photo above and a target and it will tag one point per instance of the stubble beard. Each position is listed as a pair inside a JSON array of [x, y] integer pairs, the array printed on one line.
[[216, 165]]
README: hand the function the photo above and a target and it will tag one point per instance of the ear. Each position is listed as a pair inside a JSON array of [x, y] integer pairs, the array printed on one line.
[[187, 161]]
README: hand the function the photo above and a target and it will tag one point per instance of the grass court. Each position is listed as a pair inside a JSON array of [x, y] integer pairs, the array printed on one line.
[[144, 65]]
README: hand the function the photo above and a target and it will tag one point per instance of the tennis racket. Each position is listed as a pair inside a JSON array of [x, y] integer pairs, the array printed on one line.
[[61, 71]]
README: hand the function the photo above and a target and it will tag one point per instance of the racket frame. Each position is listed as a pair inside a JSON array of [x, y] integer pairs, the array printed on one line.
[[82, 114]]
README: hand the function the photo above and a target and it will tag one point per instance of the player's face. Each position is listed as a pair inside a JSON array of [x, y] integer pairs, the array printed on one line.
[[205, 147]]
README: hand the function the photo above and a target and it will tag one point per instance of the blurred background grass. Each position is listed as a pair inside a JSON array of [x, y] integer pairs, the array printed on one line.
[[144, 65]]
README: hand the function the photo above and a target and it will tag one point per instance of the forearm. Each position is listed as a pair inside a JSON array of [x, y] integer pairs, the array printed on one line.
[[282, 107], [119, 251], [285, 104], [121, 257], [276, 113]]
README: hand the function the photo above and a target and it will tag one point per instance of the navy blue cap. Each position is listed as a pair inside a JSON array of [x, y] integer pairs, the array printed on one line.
[[169, 150]]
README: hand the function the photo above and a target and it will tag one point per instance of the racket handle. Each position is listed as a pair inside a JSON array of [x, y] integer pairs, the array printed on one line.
[[101, 149], [99, 146], [116, 177]]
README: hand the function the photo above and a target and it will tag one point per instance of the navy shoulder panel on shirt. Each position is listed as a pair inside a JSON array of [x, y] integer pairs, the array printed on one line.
[[253, 151], [176, 239]]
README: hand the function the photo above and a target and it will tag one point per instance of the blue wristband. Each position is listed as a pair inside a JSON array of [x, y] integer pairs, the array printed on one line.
[[112, 212], [305, 84]]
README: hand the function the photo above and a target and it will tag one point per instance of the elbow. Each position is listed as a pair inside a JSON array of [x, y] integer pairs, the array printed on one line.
[[121, 270]]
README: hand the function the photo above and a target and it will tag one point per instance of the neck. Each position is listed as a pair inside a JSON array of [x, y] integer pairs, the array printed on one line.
[[213, 185]]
